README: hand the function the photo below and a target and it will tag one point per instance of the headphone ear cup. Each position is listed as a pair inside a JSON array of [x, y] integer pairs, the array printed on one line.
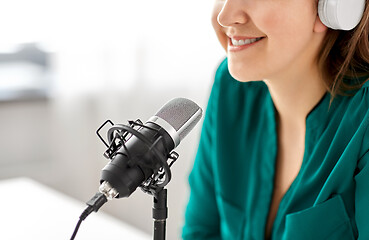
[[341, 14]]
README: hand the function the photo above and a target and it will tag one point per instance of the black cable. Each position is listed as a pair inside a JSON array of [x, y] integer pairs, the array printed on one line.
[[94, 204], [76, 229]]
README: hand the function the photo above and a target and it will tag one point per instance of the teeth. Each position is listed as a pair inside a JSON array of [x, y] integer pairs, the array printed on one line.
[[244, 42]]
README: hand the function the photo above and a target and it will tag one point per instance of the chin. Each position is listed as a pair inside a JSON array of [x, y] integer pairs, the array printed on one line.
[[245, 75]]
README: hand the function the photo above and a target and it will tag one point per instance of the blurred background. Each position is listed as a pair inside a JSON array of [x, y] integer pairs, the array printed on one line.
[[67, 66]]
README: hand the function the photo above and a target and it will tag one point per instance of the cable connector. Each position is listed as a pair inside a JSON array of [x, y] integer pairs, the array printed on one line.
[[94, 204], [97, 201]]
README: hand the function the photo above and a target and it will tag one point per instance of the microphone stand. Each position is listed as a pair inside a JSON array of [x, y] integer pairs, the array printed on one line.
[[160, 213], [160, 209]]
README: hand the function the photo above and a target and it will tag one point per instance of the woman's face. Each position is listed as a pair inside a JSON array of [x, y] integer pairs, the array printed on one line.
[[288, 34]]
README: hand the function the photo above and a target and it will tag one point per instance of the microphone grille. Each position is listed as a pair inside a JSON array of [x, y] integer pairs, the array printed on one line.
[[182, 114]]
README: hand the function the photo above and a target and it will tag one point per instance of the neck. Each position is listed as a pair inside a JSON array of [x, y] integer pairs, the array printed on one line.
[[294, 97]]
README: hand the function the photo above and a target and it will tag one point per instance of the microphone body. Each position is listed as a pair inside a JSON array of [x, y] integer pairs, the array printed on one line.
[[146, 151], [136, 163]]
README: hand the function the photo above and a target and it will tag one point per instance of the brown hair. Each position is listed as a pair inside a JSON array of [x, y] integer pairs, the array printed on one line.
[[344, 57]]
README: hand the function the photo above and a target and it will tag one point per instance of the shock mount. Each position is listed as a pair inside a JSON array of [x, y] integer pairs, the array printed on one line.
[[118, 135]]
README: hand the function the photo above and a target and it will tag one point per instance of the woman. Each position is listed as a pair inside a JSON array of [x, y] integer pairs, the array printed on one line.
[[284, 151]]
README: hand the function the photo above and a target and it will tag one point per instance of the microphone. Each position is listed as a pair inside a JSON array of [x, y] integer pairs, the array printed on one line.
[[138, 157], [141, 159]]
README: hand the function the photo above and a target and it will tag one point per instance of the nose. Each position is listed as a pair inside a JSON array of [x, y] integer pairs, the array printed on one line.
[[232, 13]]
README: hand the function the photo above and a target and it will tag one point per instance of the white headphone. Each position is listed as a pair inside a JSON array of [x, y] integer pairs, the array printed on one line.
[[341, 14]]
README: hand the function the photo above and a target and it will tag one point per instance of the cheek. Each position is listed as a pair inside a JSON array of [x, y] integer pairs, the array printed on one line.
[[281, 25], [288, 31], [285, 19]]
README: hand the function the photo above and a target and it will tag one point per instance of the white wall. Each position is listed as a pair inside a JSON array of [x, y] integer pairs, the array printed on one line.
[[118, 60]]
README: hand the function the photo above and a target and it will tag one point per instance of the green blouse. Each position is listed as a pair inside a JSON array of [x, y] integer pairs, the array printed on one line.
[[233, 174]]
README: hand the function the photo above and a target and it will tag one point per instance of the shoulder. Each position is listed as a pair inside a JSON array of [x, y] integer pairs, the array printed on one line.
[[357, 115], [364, 106], [359, 101]]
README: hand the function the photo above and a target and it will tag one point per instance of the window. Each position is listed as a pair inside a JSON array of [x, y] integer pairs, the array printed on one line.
[[24, 73]]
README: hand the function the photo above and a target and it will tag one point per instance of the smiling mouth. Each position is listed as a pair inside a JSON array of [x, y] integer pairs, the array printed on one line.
[[243, 42]]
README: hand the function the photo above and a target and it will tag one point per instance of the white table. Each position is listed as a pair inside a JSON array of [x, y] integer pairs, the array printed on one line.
[[32, 211]]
